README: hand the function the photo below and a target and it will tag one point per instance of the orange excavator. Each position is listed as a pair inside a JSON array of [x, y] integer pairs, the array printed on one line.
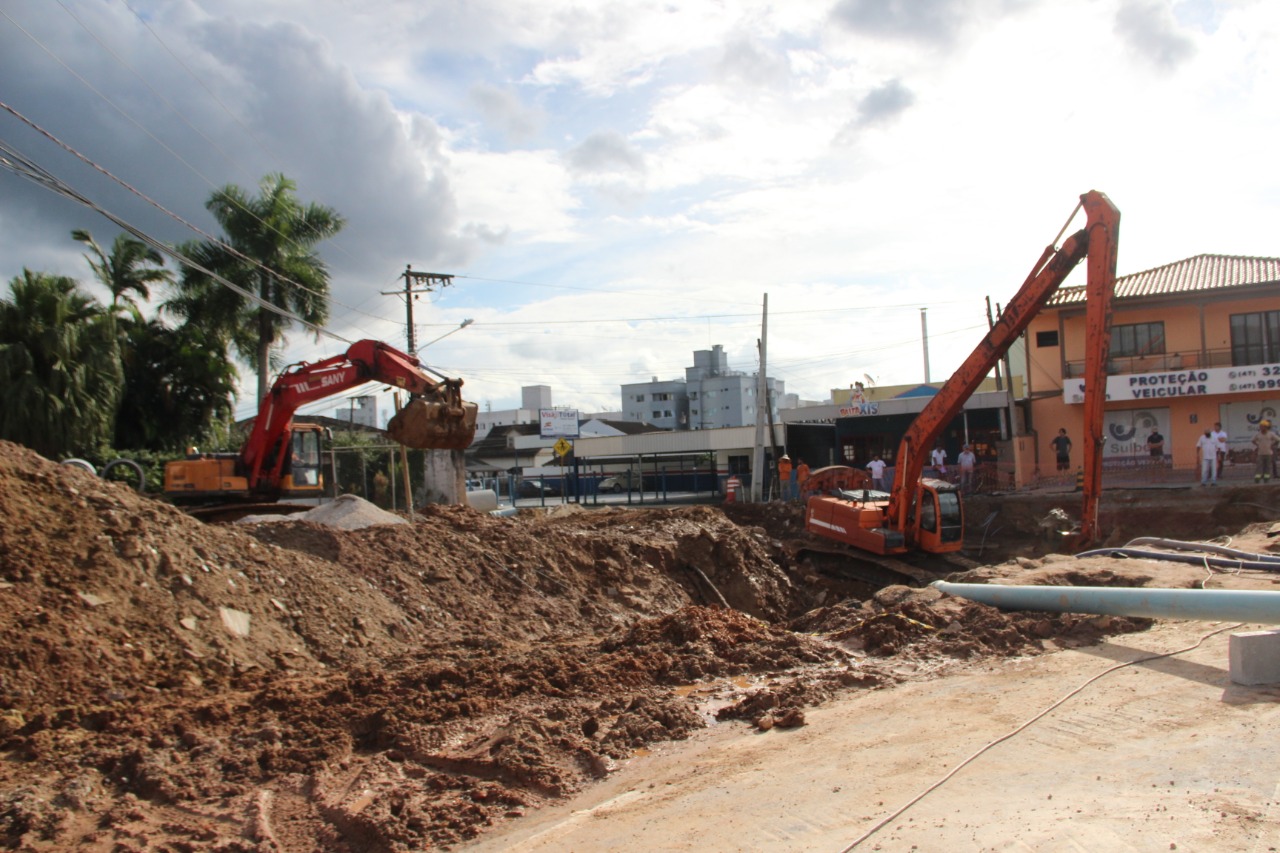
[[281, 459], [927, 514]]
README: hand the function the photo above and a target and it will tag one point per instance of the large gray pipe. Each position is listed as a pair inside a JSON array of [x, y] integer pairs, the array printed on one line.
[[1213, 605]]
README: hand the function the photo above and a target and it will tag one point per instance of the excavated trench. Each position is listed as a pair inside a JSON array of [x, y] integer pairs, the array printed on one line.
[[169, 685]]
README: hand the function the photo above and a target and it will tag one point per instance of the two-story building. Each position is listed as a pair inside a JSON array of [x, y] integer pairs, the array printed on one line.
[[1193, 343]]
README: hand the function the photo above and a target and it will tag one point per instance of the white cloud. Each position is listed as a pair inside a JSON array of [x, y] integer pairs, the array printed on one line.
[[638, 159]]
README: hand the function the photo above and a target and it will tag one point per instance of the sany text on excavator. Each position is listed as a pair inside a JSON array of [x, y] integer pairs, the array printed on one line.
[[282, 460], [928, 515]]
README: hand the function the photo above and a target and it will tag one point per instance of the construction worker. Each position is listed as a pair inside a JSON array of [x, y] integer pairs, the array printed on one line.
[[1264, 442], [784, 477], [802, 474]]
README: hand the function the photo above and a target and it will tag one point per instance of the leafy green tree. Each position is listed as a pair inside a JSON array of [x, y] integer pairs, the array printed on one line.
[[179, 386], [60, 375], [277, 233], [130, 268]]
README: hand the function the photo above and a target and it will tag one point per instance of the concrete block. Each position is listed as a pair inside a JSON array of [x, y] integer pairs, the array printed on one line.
[[1255, 657]]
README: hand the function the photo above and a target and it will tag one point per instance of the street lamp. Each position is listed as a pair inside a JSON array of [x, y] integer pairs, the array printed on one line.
[[461, 326]]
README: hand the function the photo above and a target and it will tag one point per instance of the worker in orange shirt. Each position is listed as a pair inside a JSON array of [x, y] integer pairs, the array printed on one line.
[[802, 474], [784, 477]]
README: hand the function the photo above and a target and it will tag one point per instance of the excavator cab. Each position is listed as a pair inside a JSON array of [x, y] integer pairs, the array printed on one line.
[[302, 477], [941, 517]]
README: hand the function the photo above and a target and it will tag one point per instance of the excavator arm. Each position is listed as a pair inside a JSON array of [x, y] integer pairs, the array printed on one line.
[[1097, 241], [437, 417], [927, 514]]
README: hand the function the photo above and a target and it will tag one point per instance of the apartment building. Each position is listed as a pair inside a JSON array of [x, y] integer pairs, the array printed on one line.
[[711, 396]]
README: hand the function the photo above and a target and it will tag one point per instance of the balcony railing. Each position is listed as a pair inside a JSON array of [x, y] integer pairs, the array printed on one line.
[[1186, 360]]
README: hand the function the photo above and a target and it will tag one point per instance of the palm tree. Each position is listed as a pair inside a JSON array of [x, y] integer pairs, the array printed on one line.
[[60, 376], [130, 268], [268, 251]]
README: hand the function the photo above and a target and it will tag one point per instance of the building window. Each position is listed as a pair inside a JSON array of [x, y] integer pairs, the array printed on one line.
[[693, 395], [666, 413], [1255, 338], [656, 414], [1047, 339], [661, 397], [639, 398], [693, 411], [1137, 339]]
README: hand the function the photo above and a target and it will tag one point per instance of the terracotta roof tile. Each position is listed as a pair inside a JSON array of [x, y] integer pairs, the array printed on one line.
[[1200, 274]]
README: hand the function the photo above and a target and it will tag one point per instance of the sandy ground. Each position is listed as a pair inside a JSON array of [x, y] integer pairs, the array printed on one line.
[[1164, 754]]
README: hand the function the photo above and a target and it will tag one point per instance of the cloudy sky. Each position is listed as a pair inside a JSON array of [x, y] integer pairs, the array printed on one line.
[[617, 184]]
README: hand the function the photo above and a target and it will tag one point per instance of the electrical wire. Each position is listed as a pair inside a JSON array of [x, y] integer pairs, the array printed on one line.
[[124, 184], [16, 162], [1019, 729], [208, 181]]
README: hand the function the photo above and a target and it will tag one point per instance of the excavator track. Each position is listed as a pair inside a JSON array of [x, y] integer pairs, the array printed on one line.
[[881, 569]]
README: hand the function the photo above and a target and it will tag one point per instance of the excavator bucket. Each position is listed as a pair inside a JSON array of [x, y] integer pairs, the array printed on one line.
[[435, 422]]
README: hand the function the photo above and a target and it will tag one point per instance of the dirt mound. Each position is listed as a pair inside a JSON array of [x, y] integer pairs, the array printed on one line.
[[168, 685], [393, 686]]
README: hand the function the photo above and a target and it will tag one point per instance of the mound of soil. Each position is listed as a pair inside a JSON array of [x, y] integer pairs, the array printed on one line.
[[170, 685]]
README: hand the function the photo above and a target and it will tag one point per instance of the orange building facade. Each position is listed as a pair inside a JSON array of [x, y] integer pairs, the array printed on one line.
[[1193, 343]]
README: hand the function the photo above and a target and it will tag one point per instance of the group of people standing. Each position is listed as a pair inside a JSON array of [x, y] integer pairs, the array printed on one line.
[[1212, 446], [1213, 452], [966, 464]]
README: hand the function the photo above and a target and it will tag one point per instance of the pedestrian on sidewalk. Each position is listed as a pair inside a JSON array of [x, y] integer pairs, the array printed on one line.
[[1264, 442], [1220, 435], [939, 459], [1062, 450], [876, 469], [967, 461], [1155, 446], [1208, 447]]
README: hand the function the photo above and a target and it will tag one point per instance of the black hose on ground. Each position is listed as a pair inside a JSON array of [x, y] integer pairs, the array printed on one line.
[[1207, 547], [1196, 559]]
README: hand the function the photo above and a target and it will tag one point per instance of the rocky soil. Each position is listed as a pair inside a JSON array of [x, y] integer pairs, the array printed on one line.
[[295, 686]]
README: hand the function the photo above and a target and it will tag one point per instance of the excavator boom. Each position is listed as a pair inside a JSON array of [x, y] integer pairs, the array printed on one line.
[[916, 513]]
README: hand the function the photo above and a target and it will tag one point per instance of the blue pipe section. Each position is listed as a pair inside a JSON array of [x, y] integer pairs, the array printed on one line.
[[1211, 605], [1197, 559]]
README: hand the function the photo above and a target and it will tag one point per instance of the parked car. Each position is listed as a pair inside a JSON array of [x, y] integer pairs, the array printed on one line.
[[617, 485], [538, 488], [625, 481]]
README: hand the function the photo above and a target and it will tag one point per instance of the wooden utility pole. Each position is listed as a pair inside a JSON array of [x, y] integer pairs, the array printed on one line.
[[444, 471], [758, 474], [425, 282]]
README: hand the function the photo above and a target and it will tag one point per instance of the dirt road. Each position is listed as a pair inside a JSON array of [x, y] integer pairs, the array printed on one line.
[[1162, 755]]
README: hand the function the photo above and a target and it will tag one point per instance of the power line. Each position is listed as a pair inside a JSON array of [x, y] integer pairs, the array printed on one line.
[[209, 182], [20, 165]]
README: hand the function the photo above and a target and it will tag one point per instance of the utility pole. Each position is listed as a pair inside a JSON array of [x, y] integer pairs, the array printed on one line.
[[924, 339], [425, 282], [444, 471], [762, 397]]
